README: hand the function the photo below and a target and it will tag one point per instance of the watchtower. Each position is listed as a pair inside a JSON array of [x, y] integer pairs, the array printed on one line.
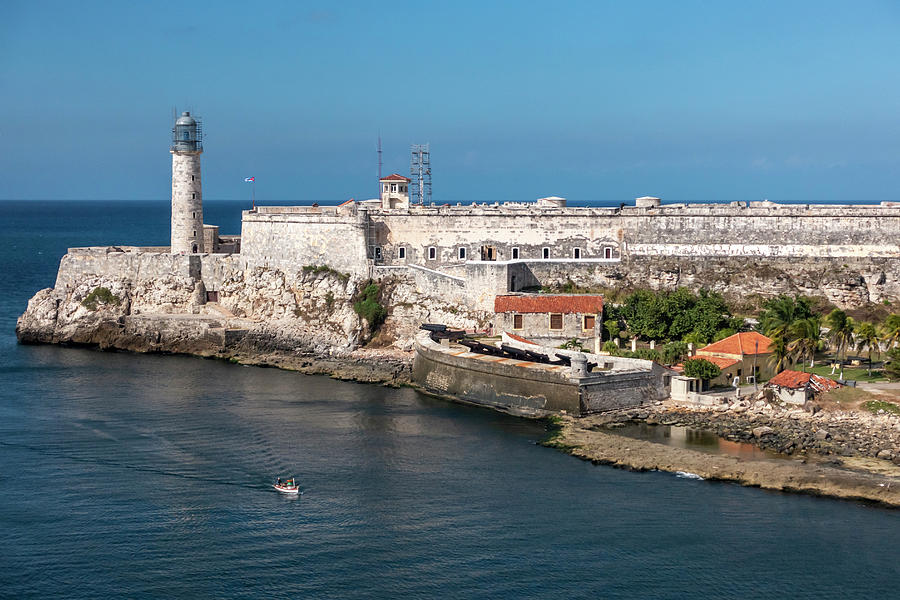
[[187, 197], [395, 191]]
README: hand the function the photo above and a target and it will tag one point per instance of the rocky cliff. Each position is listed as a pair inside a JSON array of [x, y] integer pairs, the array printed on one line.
[[303, 320]]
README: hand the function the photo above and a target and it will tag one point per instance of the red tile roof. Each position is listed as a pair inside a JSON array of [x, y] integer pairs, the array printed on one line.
[[350, 201], [544, 303], [395, 177], [722, 363], [740, 343], [794, 380]]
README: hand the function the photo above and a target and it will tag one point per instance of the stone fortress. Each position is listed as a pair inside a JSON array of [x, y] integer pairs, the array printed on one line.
[[290, 276]]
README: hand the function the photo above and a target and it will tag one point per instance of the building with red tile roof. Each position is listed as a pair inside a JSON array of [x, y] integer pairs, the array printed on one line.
[[742, 356], [797, 387], [551, 319], [395, 191]]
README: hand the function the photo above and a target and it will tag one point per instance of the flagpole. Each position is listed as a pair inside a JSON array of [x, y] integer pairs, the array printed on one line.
[[253, 192]]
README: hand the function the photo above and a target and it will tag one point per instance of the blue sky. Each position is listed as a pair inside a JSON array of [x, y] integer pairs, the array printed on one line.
[[599, 100]]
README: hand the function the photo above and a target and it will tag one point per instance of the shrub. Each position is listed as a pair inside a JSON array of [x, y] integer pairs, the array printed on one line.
[[98, 296], [892, 366], [572, 344], [611, 348], [701, 369], [369, 307], [673, 352], [316, 269]]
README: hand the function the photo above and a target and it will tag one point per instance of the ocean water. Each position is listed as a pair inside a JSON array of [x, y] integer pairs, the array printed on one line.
[[144, 476]]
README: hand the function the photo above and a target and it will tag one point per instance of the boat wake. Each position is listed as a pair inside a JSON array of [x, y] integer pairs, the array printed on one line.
[[686, 475]]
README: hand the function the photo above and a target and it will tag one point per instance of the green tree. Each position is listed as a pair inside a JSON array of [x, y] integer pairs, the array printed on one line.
[[806, 337], [840, 334], [611, 348], [867, 339], [780, 356], [892, 366], [890, 331], [780, 313], [673, 352], [701, 369]]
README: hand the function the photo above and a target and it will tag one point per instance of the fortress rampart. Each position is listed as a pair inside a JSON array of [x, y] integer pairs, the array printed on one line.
[[847, 253]]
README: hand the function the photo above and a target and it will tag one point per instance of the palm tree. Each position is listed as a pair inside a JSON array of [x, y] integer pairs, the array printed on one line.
[[867, 339], [807, 337], [780, 355], [890, 331], [840, 334], [778, 317]]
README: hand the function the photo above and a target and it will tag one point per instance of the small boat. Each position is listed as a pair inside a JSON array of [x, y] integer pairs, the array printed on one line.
[[287, 486]]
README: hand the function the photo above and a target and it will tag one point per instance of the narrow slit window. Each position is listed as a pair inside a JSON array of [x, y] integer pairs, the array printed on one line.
[[462, 254], [546, 253], [576, 253], [401, 253], [432, 253], [607, 253], [515, 254]]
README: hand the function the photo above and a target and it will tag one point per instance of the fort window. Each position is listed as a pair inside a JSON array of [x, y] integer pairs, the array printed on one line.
[[432, 253], [193, 196], [401, 252], [194, 233], [462, 254], [385, 187], [517, 322], [576, 253], [393, 187], [515, 254], [588, 322], [607, 253], [192, 177], [194, 248], [545, 253], [193, 215], [556, 321], [377, 252]]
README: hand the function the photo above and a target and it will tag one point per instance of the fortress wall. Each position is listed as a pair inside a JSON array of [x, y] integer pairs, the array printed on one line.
[[447, 229], [113, 263], [491, 383], [215, 269], [673, 230], [290, 241]]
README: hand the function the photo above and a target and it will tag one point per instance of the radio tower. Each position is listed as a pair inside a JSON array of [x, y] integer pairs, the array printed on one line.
[[379, 162], [420, 173]]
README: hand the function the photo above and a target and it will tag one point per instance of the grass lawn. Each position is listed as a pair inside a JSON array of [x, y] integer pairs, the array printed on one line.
[[851, 373]]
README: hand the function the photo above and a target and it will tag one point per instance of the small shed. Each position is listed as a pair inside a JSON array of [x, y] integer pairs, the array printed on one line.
[[796, 387]]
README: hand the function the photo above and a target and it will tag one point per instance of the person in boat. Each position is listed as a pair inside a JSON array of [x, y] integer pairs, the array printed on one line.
[[278, 482]]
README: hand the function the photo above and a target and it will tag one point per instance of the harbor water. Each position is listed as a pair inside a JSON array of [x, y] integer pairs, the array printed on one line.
[[149, 476]]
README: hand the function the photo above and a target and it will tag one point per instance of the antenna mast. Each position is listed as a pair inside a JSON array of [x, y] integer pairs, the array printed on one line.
[[379, 164], [420, 173]]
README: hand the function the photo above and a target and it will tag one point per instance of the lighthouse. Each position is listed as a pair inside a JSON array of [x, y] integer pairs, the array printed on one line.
[[187, 198]]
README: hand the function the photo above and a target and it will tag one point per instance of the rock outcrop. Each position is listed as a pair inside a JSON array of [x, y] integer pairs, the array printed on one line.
[[303, 320]]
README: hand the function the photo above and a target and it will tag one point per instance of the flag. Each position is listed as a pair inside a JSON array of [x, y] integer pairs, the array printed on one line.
[[250, 179]]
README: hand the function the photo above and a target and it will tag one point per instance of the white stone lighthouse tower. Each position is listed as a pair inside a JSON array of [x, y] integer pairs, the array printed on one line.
[[187, 198]]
